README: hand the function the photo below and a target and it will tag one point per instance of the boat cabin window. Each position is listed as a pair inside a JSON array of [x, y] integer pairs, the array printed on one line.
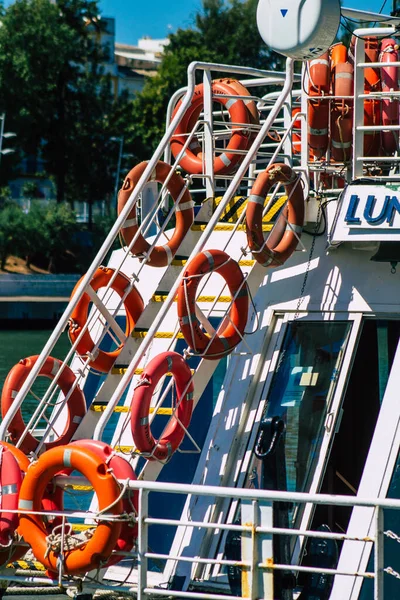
[[301, 392]]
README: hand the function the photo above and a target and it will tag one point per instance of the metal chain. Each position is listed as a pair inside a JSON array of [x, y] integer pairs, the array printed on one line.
[[392, 535], [314, 234], [391, 571]]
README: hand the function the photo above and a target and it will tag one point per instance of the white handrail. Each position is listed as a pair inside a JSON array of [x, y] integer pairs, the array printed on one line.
[[98, 432]]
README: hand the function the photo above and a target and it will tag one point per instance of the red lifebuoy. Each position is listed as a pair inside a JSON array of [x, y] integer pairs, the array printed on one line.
[[160, 256], [10, 482], [318, 108], [342, 113], [263, 251], [226, 162], [76, 403], [174, 432], [390, 107], [222, 344], [133, 304], [372, 82], [98, 548], [14, 552]]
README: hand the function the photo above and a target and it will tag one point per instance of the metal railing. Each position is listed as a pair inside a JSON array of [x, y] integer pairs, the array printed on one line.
[[359, 159], [85, 287], [257, 564]]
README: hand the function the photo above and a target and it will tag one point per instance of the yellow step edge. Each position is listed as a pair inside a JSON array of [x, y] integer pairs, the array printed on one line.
[[27, 565], [126, 409], [159, 334], [122, 371], [163, 297], [228, 227]]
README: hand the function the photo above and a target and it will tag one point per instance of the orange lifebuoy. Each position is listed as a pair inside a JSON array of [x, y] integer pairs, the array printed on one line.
[[263, 251], [222, 344], [318, 108], [130, 502], [140, 407], [226, 162], [134, 306], [160, 256], [337, 54], [97, 550], [342, 113], [390, 107], [254, 116], [76, 403]]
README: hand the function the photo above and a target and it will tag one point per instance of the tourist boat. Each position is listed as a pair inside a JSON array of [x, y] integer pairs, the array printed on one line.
[[231, 391]]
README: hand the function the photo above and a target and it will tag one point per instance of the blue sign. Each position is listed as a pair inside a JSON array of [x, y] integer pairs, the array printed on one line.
[[387, 213]]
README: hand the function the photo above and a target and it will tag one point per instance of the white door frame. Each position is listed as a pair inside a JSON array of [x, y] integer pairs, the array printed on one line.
[[375, 481]]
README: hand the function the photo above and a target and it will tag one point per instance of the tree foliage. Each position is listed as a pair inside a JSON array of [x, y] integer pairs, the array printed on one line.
[[55, 94], [223, 32]]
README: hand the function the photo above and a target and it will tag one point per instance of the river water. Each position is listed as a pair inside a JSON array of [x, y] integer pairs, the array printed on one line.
[[21, 343]]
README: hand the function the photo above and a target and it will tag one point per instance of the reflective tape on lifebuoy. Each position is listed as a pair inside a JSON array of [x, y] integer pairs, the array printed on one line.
[[174, 432], [98, 548], [133, 303], [222, 344], [192, 158], [160, 256], [263, 251], [76, 404]]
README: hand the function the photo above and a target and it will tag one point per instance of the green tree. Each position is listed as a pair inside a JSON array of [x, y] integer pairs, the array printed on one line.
[[11, 225], [55, 94], [223, 32], [60, 228]]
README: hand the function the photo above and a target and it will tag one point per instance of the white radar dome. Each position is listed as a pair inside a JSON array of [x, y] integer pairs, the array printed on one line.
[[299, 29]]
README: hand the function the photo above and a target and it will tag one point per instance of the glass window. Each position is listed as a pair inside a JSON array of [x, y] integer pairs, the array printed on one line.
[[302, 389]]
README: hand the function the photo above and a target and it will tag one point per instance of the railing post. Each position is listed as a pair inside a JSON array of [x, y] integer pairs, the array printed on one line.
[[378, 554], [208, 134], [358, 142], [142, 542], [256, 582]]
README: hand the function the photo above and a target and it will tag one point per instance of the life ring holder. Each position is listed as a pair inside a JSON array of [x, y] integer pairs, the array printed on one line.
[[51, 368], [192, 160], [175, 430], [94, 552], [160, 256], [103, 360], [221, 343], [264, 254]]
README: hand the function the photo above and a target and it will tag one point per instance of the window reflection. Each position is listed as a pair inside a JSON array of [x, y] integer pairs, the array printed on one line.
[[301, 392]]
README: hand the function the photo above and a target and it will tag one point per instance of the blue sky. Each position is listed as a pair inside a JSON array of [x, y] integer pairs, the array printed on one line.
[[156, 18]]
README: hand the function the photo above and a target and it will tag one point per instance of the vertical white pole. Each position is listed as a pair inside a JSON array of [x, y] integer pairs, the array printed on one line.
[[358, 141], [3, 118], [378, 555], [142, 543], [208, 134], [257, 583]]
